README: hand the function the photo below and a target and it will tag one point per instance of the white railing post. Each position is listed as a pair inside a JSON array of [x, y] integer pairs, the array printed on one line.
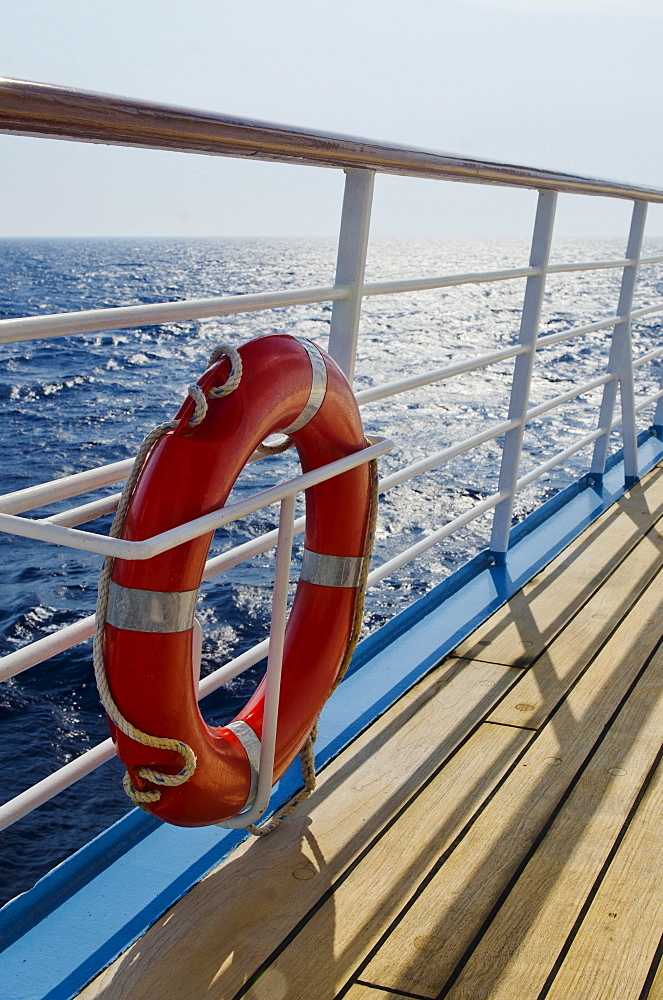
[[620, 363], [657, 426], [350, 265], [522, 373], [274, 664]]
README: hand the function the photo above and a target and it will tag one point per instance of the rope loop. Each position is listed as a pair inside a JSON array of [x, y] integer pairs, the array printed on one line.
[[200, 411], [216, 391], [235, 377], [263, 450]]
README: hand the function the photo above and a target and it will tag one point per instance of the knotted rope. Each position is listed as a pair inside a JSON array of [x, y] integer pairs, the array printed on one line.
[[306, 754], [160, 742]]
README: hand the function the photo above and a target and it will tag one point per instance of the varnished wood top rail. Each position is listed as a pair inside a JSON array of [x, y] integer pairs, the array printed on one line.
[[37, 109]]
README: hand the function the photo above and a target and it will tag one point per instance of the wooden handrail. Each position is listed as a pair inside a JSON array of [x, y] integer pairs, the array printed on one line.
[[37, 109]]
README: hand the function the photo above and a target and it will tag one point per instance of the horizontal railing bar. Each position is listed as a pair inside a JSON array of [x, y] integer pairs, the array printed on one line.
[[654, 398], [559, 457], [638, 313], [49, 787], [426, 464], [86, 512], [98, 508], [389, 567], [62, 489], [565, 397], [594, 265], [43, 649], [233, 668], [69, 486], [599, 265], [37, 109], [445, 281], [147, 548], [483, 277], [119, 317], [649, 356], [438, 375], [240, 553], [556, 338]]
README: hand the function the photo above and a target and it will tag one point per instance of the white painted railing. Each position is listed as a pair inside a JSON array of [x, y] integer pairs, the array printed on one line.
[[346, 295]]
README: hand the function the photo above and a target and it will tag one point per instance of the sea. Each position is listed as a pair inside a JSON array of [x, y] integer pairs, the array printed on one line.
[[74, 403]]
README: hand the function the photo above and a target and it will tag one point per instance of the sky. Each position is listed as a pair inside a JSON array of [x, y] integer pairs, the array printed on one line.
[[573, 85]]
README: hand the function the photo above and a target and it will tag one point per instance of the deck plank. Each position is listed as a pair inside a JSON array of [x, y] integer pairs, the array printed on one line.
[[530, 702], [656, 991], [424, 949], [519, 632], [521, 945], [613, 950], [211, 942], [395, 848], [338, 936]]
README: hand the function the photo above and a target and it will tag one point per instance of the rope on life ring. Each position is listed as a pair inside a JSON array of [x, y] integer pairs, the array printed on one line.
[[144, 635]]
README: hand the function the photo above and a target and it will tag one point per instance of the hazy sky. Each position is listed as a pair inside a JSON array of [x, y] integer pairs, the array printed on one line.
[[574, 85]]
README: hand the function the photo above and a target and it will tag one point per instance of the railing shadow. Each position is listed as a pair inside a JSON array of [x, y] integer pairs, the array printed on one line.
[[224, 930], [477, 894]]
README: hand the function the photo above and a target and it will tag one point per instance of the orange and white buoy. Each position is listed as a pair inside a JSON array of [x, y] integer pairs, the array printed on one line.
[[290, 386]]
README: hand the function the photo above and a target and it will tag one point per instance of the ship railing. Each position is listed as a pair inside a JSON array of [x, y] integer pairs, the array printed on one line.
[[39, 110]]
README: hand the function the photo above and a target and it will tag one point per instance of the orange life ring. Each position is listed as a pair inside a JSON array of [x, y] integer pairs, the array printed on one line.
[[287, 385]]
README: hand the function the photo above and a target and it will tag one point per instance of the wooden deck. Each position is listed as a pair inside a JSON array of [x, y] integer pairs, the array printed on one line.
[[498, 833]]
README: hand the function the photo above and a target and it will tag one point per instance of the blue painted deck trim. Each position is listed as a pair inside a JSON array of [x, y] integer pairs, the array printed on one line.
[[89, 909]]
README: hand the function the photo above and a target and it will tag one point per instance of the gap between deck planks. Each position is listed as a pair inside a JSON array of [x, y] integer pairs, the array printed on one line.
[[612, 948], [530, 702], [522, 629], [362, 991], [271, 889], [612, 952]]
